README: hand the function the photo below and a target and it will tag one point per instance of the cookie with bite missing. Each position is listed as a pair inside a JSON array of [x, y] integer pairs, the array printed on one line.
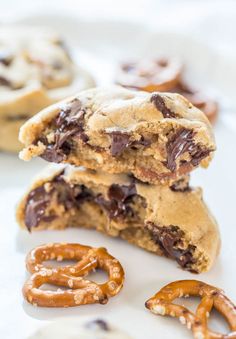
[[171, 221], [36, 70], [155, 136]]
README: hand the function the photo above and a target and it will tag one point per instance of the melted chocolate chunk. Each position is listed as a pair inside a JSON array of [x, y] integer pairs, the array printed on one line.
[[120, 197], [120, 141], [36, 205], [181, 142], [39, 199], [170, 240], [198, 154], [161, 106], [69, 123]]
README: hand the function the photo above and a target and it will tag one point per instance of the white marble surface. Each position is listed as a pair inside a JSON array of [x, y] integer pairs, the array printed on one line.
[[99, 44]]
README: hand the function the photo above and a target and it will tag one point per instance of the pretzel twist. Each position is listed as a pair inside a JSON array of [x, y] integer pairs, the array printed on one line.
[[161, 303], [80, 291], [151, 75]]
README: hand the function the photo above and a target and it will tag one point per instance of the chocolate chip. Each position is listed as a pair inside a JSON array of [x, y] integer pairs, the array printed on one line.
[[121, 192], [161, 106], [180, 142], [36, 205], [120, 197], [119, 142], [170, 240], [69, 122], [67, 195], [98, 324], [52, 154], [198, 154]]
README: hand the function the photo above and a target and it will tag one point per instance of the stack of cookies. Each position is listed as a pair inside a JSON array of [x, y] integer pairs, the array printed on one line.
[[137, 150]]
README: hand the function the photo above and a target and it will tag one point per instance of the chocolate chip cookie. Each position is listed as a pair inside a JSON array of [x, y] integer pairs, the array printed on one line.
[[155, 136], [35, 71], [168, 220]]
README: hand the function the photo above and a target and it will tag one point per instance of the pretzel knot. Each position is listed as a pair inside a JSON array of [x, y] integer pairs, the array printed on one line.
[[161, 303], [80, 291]]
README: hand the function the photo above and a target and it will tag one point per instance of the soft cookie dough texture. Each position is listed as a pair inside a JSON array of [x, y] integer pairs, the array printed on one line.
[[155, 136], [35, 71], [171, 221]]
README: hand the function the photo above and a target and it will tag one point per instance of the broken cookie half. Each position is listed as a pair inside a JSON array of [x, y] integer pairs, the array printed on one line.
[[168, 220], [155, 136]]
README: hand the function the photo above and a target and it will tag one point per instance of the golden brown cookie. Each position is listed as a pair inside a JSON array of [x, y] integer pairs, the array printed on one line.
[[155, 136], [171, 221]]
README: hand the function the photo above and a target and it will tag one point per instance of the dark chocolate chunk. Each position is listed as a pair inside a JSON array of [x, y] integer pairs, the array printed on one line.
[[69, 122], [179, 143], [67, 195], [119, 142], [120, 197], [170, 240], [98, 324], [198, 154], [36, 205], [161, 106]]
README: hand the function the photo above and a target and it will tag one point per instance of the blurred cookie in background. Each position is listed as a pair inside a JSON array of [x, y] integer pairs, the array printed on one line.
[[36, 70], [164, 75], [77, 329]]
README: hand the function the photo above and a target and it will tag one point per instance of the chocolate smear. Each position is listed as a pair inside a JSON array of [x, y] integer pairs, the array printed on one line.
[[161, 106]]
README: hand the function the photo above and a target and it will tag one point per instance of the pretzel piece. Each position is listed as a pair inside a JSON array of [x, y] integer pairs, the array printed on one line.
[[150, 75], [80, 291], [161, 303]]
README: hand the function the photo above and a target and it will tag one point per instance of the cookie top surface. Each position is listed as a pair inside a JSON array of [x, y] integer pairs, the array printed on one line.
[[118, 109], [36, 59]]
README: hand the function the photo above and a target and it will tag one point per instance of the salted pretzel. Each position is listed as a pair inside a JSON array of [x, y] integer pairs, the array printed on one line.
[[198, 99], [161, 303], [150, 75], [80, 291]]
